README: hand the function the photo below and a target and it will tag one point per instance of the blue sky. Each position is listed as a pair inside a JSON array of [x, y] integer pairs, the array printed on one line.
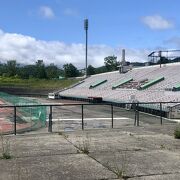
[[52, 30]]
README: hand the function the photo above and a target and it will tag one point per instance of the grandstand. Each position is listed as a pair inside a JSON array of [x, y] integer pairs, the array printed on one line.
[[144, 84]]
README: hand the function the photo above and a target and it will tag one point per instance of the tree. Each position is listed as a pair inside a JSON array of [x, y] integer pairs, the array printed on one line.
[[27, 71], [111, 63], [52, 71], [11, 68], [90, 70], [3, 69], [70, 70], [101, 69], [176, 59], [163, 60], [40, 70]]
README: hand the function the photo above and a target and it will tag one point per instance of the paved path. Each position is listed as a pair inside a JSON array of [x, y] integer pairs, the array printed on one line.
[[149, 152]]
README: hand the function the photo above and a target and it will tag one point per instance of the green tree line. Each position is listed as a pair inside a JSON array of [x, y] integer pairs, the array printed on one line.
[[41, 71], [37, 70]]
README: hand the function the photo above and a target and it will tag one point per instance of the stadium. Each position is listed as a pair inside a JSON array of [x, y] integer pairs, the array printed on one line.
[[114, 125], [155, 88]]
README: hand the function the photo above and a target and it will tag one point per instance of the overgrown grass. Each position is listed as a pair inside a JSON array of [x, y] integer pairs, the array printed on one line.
[[84, 145], [119, 166], [177, 132], [5, 146], [63, 134], [36, 83]]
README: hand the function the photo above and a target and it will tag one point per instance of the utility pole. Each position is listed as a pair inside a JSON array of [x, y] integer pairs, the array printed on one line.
[[86, 29]]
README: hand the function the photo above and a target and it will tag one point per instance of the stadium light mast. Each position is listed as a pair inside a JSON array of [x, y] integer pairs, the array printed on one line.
[[86, 29]]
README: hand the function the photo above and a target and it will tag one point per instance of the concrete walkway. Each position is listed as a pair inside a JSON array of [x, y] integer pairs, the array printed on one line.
[[149, 152]]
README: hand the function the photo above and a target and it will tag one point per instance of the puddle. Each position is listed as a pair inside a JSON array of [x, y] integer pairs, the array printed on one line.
[[99, 126], [67, 129]]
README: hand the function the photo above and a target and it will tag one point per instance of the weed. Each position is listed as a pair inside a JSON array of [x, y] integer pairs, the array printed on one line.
[[84, 146], [5, 143], [63, 134], [60, 133], [177, 132], [162, 146], [120, 168], [120, 173]]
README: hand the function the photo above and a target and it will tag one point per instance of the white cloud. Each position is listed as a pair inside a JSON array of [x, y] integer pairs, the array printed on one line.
[[46, 12], [157, 22], [70, 12], [27, 50]]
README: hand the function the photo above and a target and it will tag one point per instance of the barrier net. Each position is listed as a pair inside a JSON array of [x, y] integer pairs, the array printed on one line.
[[33, 117]]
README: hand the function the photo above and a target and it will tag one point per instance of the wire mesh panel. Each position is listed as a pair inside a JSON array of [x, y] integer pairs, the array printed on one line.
[[6, 120], [29, 117]]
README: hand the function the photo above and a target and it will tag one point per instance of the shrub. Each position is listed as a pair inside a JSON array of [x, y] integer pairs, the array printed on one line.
[[177, 132], [5, 143]]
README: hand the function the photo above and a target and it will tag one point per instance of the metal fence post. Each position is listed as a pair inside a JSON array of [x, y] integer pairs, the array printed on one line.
[[50, 120], [82, 114], [134, 105], [15, 120], [112, 118], [137, 114], [161, 112]]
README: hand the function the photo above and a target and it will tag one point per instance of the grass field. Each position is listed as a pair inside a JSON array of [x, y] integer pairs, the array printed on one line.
[[36, 83]]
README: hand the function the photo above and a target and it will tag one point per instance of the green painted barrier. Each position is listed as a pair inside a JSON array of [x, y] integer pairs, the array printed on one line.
[[37, 113], [97, 83], [122, 83], [150, 83], [176, 88]]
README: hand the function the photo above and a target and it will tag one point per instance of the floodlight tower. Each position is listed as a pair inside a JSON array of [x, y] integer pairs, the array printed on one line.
[[86, 29]]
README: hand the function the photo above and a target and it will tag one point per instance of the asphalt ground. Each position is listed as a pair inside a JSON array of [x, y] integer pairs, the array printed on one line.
[[97, 116]]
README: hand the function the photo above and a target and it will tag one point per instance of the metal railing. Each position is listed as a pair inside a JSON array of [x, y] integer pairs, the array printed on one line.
[[135, 107]]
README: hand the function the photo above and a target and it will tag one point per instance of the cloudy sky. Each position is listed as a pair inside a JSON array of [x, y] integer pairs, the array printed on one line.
[[52, 30]]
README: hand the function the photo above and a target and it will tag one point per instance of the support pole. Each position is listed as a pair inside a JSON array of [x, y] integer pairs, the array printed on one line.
[[14, 120], [112, 117], [86, 29], [50, 120], [137, 114], [135, 117], [134, 105], [82, 114], [161, 113]]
